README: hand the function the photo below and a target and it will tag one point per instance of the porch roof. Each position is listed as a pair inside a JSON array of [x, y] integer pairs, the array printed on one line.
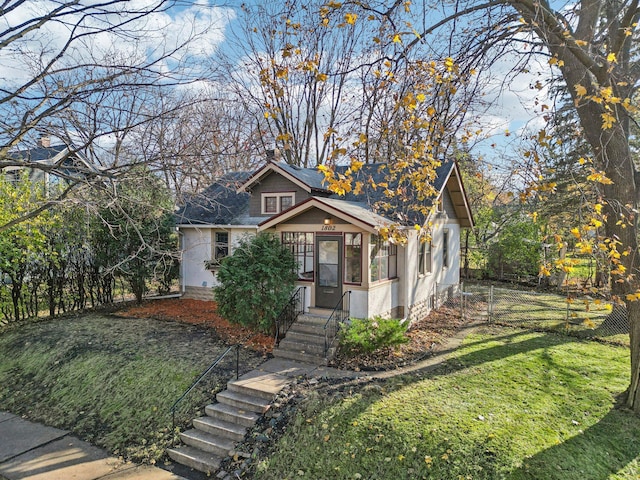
[[355, 213]]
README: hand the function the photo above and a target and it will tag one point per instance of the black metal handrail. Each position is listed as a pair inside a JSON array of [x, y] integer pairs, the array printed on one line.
[[288, 315], [201, 377], [337, 317]]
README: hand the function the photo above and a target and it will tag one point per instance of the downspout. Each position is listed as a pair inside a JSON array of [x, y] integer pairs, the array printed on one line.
[[181, 248], [408, 272]]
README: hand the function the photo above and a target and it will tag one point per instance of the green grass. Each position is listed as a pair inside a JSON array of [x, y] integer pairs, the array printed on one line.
[[111, 381], [582, 316], [513, 405]]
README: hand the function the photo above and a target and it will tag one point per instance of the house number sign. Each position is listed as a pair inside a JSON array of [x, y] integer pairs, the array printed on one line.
[[328, 228]]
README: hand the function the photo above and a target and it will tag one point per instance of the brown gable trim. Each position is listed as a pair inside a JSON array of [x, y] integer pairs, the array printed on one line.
[[459, 197], [310, 203], [266, 170]]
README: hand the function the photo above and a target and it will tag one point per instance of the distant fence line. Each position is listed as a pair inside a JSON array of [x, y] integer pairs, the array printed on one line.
[[581, 316]]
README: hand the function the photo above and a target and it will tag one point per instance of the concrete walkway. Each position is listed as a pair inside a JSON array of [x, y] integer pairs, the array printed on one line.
[[35, 452]]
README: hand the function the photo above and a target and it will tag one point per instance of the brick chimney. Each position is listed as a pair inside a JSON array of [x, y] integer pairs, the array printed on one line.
[[271, 155], [45, 141]]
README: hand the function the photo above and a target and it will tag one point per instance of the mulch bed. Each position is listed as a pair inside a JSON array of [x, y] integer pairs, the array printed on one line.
[[424, 336], [204, 314]]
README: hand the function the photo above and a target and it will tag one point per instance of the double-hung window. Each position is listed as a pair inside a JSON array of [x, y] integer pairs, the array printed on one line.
[[383, 259], [220, 246], [273, 203], [424, 257], [353, 257]]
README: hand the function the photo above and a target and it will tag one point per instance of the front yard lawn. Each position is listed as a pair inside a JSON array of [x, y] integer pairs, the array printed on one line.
[[509, 404], [111, 380]]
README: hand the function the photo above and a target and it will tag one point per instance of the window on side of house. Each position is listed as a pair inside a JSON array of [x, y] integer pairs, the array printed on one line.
[[424, 257], [383, 259], [445, 247], [273, 203], [220, 245], [353, 258], [219, 248], [301, 245]]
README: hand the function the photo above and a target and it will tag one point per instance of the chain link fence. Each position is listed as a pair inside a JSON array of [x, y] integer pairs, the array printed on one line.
[[582, 316]]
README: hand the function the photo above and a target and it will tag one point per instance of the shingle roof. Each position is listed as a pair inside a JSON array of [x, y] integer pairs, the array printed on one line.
[[219, 204], [309, 176], [222, 204], [38, 154]]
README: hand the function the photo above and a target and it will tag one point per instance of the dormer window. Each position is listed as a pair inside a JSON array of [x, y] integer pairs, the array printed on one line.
[[273, 203]]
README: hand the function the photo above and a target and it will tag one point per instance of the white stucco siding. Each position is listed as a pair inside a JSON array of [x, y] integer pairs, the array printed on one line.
[[197, 249], [384, 298], [358, 303]]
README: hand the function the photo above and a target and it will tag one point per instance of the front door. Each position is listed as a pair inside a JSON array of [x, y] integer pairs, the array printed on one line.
[[329, 268]]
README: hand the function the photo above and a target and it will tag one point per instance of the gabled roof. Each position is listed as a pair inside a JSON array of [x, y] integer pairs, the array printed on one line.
[[358, 214], [61, 157], [226, 202], [358, 209], [219, 204], [309, 179]]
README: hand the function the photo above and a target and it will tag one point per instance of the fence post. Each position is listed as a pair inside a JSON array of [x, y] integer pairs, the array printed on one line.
[[462, 305], [491, 304]]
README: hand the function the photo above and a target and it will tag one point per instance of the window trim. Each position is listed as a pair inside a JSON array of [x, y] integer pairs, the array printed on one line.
[[296, 254], [425, 258], [344, 253], [445, 248], [391, 251], [278, 197]]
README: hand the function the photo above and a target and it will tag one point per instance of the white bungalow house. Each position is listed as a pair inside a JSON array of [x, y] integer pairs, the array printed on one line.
[[334, 239]]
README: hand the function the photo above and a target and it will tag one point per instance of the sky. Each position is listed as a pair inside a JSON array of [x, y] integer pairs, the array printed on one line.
[[511, 115]]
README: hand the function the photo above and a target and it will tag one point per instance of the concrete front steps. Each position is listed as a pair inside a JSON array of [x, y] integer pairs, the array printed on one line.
[[305, 339], [214, 436]]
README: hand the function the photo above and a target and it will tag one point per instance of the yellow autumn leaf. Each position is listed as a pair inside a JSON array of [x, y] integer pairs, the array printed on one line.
[[580, 90], [599, 177], [421, 97], [397, 38], [431, 111], [611, 58], [321, 77], [607, 120], [581, 43], [350, 18]]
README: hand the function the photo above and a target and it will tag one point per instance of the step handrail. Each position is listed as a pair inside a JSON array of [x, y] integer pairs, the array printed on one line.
[[290, 312], [201, 377], [337, 317]]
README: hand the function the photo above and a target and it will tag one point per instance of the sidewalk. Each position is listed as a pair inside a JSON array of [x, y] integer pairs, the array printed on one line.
[[36, 452]]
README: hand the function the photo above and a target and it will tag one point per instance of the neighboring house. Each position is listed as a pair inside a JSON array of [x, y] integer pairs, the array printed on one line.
[[334, 239], [52, 164]]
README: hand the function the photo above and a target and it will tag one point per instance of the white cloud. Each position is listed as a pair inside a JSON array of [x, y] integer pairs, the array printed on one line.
[[145, 38]]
